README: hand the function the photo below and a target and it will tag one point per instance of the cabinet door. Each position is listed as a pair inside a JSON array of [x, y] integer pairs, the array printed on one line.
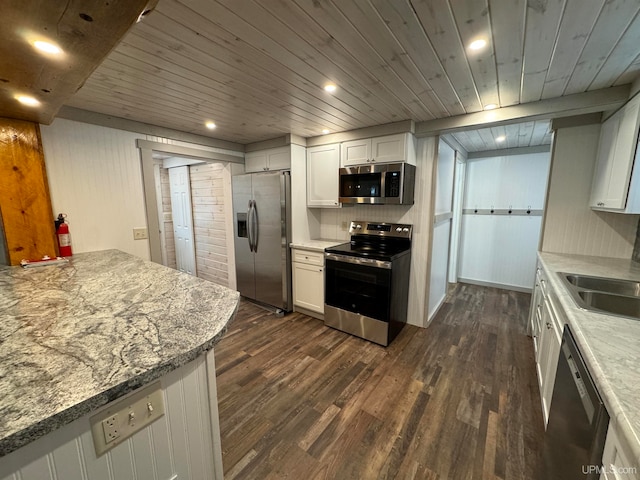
[[604, 162], [308, 287], [322, 176], [392, 148], [355, 152], [255, 162], [625, 148], [547, 358], [279, 158]]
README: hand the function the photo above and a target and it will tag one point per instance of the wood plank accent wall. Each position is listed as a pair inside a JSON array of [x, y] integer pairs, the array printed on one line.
[[25, 203], [183, 444], [209, 222]]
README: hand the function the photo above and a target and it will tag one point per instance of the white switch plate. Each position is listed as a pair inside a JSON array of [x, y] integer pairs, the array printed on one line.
[[140, 233], [121, 419]]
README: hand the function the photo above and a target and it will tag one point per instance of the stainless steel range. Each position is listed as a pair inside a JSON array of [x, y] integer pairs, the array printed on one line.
[[367, 281]]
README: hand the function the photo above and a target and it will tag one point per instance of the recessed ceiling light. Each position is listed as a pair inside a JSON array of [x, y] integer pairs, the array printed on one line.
[[330, 87], [210, 125], [325, 131], [501, 139], [26, 100], [478, 44], [47, 47], [490, 106]]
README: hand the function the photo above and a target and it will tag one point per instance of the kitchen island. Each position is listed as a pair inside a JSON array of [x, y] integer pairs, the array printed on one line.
[[75, 337]]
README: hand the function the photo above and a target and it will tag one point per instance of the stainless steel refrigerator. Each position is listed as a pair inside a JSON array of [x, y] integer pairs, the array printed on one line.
[[262, 218]]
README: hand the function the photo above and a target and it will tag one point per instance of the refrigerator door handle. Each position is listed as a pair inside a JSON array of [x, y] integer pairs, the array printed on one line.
[[250, 225], [255, 228]]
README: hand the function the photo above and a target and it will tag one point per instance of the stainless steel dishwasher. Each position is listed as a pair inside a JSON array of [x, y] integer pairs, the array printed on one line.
[[578, 419]]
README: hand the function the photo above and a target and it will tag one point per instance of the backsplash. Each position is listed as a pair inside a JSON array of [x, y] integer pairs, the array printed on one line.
[[334, 223]]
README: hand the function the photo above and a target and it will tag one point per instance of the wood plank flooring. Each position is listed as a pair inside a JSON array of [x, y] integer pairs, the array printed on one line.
[[458, 400]]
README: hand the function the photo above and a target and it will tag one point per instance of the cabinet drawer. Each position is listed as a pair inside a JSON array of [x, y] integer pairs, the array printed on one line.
[[311, 258]]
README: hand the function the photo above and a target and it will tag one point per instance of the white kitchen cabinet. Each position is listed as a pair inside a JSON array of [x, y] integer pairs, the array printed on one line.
[[614, 164], [308, 281], [547, 324], [270, 159], [615, 460], [323, 163], [389, 148]]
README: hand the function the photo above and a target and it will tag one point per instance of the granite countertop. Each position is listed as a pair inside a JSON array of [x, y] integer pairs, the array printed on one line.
[[316, 245], [609, 344], [77, 336]]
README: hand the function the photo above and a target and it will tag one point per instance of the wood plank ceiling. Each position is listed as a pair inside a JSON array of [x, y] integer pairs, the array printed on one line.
[[257, 67], [527, 134]]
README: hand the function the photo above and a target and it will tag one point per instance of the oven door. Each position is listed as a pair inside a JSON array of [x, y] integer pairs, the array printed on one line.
[[358, 285]]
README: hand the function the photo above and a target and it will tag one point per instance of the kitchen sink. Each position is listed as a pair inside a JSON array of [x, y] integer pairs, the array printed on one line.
[[608, 295], [602, 284]]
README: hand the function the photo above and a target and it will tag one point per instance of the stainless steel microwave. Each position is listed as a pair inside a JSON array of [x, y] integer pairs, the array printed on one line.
[[390, 183]]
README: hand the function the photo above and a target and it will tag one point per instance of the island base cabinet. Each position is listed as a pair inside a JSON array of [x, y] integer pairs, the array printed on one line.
[[183, 444]]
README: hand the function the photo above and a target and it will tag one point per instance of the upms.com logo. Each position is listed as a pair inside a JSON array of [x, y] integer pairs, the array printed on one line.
[[609, 470]]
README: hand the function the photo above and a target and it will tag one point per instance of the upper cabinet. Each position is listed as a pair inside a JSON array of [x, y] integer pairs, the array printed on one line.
[[390, 148], [323, 163], [614, 181], [270, 159]]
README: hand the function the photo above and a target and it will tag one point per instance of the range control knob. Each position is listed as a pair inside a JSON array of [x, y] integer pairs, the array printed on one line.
[[358, 227], [398, 229], [405, 229]]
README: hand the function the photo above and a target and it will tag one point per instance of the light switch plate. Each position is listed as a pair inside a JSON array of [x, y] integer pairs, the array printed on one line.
[[121, 419]]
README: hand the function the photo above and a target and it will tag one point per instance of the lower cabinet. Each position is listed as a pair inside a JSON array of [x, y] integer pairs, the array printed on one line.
[[546, 330], [308, 281]]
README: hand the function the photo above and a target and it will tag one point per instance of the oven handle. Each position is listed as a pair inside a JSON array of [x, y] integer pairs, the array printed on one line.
[[358, 260]]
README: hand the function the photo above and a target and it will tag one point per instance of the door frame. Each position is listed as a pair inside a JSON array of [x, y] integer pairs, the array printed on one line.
[[147, 149]]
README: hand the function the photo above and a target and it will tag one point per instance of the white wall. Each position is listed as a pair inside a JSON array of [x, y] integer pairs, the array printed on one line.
[[501, 249], [95, 177], [184, 442], [334, 224], [570, 226]]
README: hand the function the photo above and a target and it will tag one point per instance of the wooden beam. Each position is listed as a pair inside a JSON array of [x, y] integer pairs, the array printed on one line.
[[576, 121], [570, 105], [376, 131], [94, 118], [25, 204], [85, 30], [509, 151]]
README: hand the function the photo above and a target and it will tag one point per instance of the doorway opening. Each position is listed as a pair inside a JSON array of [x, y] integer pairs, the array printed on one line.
[[189, 209]]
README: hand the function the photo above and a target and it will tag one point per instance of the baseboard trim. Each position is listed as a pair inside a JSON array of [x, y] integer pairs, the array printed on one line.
[[514, 288]]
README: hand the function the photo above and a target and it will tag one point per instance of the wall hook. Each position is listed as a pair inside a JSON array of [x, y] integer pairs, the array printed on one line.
[[491, 208], [476, 210], [528, 209]]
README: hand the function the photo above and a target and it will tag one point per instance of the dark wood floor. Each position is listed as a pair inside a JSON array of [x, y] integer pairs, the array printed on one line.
[[458, 400]]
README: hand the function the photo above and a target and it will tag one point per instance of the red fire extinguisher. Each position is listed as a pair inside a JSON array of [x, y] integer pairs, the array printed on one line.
[[64, 238]]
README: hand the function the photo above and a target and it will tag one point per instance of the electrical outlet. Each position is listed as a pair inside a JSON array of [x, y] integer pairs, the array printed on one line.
[[140, 234], [110, 428], [123, 418]]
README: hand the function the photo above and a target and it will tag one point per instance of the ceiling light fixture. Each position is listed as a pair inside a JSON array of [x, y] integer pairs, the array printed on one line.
[[330, 87], [210, 125], [501, 139], [28, 101], [490, 106], [47, 47], [478, 44], [325, 131]]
